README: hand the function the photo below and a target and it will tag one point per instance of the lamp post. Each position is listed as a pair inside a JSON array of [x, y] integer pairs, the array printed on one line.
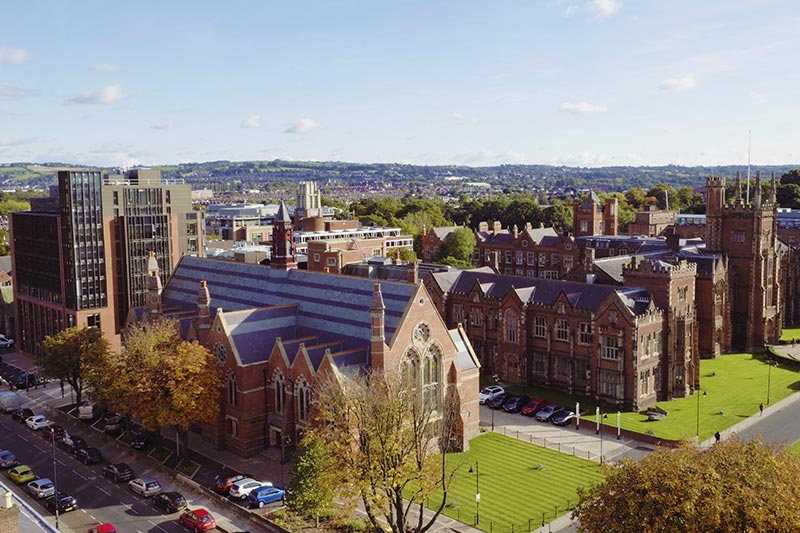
[[770, 363], [55, 479], [477, 493], [697, 433]]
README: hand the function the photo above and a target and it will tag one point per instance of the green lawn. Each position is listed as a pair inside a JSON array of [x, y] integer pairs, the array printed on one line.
[[734, 385], [790, 333], [795, 448], [514, 490]]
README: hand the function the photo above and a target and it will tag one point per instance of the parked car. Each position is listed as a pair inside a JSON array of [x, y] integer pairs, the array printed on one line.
[[547, 411], [61, 501], [198, 520], [89, 455], [22, 414], [86, 411], [223, 482], [25, 380], [498, 401], [41, 488], [6, 342], [118, 472], [114, 425], [242, 488], [7, 459], [37, 422], [261, 496], [144, 486], [534, 406], [562, 417], [103, 528], [515, 403], [72, 443], [53, 431], [490, 393], [21, 474], [170, 502], [141, 440]]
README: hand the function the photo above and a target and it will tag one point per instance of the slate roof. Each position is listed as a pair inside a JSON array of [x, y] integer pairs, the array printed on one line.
[[330, 306], [612, 266], [546, 292], [441, 233], [254, 331]]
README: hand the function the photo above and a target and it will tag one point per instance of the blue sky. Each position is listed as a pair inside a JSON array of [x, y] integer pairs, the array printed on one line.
[[572, 82]]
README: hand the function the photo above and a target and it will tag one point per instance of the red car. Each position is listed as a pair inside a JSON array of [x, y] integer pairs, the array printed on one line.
[[534, 406], [223, 483], [103, 528], [54, 431], [198, 520]]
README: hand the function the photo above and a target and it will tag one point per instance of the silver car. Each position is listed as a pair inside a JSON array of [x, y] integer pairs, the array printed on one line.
[[144, 486], [41, 488], [242, 488]]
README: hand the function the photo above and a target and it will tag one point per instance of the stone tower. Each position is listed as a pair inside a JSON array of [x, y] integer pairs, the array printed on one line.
[[591, 217], [283, 251]]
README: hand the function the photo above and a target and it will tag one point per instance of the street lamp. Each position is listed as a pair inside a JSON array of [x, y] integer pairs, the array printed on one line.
[[698, 413], [770, 363], [55, 479], [477, 493]]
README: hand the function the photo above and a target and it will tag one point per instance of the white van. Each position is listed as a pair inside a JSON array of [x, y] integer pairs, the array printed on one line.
[[9, 401], [86, 411]]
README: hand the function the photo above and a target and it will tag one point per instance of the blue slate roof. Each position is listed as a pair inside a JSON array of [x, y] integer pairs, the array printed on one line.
[[330, 306], [254, 331]]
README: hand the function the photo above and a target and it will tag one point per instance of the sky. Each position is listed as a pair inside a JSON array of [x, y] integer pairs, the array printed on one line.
[[562, 82]]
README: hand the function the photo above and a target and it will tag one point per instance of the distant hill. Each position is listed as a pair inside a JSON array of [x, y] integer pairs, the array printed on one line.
[[278, 174]]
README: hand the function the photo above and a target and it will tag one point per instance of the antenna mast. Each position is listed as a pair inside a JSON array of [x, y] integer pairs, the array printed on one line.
[[748, 167]]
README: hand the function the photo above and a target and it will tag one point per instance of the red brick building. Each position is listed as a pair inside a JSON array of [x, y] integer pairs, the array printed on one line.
[[538, 253], [277, 331]]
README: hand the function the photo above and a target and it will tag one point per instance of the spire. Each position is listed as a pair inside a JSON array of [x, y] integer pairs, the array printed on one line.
[[283, 213], [738, 187], [757, 190]]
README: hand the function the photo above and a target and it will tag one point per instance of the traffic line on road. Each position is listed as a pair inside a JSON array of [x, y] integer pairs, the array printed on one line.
[[104, 492], [158, 526]]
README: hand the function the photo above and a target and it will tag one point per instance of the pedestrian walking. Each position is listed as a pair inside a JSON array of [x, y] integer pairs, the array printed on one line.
[[761, 408], [61, 382], [717, 436]]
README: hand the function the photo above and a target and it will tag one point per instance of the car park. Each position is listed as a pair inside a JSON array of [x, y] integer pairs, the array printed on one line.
[[241, 489], [118, 472], [21, 474], [22, 414], [515, 403], [72, 443], [562, 417], [498, 401], [547, 411], [534, 406], [41, 488], [144, 486], [262, 496], [7, 459], [198, 520], [61, 502], [114, 425], [53, 431], [490, 393], [170, 502], [223, 482], [37, 422], [89, 455]]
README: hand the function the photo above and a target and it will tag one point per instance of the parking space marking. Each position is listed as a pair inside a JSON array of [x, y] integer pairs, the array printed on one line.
[[158, 526], [104, 492]]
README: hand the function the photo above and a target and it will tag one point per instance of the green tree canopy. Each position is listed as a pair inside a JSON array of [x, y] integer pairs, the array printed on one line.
[[70, 354], [459, 244], [732, 486], [314, 477], [791, 177]]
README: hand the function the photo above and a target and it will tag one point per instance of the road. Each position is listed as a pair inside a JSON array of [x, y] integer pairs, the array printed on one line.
[[99, 499]]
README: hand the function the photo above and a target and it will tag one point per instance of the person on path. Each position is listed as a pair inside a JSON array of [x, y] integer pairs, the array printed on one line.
[[761, 408], [717, 436]]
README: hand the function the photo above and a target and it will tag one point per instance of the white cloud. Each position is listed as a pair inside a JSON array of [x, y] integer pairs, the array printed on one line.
[[595, 8], [678, 84], [7, 92], [10, 141], [107, 67], [580, 108], [13, 56], [304, 125], [758, 97], [167, 124], [253, 121], [487, 157], [592, 159], [106, 95], [457, 116]]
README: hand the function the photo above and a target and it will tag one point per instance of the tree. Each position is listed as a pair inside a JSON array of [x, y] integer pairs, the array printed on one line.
[[459, 244], [791, 177], [732, 486], [69, 354], [314, 477], [403, 253], [160, 378], [386, 438], [559, 216]]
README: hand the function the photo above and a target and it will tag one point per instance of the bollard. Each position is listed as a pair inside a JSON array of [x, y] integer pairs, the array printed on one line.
[[559, 446], [517, 433], [531, 438]]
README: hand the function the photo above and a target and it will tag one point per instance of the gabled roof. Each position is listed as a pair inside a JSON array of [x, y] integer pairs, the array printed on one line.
[[283, 213], [441, 233], [539, 235], [253, 331], [331, 306]]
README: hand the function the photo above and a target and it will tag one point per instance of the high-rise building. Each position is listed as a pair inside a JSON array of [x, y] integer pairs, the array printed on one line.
[[80, 256]]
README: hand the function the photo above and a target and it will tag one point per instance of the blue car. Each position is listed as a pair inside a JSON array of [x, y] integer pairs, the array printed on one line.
[[263, 495]]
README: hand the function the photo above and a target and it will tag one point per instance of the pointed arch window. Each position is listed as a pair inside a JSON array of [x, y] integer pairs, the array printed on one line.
[[511, 323], [431, 377], [232, 400], [303, 401], [280, 393]]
